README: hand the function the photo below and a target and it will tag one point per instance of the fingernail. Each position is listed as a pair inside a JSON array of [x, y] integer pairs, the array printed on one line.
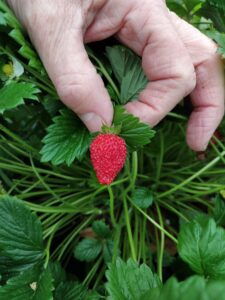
[[92, 121]]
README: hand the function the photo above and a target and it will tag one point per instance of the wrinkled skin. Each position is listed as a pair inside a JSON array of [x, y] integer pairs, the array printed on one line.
[[176, 57]]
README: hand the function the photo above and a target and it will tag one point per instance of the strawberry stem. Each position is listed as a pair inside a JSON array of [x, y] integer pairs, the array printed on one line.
[[162, 244], [111, 204], [129, 231]]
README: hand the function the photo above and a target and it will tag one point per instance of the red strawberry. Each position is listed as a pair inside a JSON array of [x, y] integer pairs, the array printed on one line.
[[108, 155]]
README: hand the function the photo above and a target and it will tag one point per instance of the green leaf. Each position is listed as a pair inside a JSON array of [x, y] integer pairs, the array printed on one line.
[[14, 94], [52, 105], [17, 35], [88, 249], [194, 288], [169, 291], [20, 232], [128, 281], [26, 49], [202, 245], [70, 291], [67, 139], [215, 11], [33, 284], [135, 133], [128, 71], [142, 197], [58, 273], [219, 210], [108, 251], [10, 18], [2, 19], [191, 4], [101, 229], [177, 7], [215, 290], [9, 268], [220, 4], [219, 38]]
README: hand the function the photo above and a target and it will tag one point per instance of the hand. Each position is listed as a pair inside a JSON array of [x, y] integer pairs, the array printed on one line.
[[176, 57]]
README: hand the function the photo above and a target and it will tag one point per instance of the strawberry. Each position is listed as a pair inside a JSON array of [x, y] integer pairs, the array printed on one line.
[[108, 155]]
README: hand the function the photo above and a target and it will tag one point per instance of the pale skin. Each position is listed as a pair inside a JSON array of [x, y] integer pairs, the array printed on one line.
[[176, 57]]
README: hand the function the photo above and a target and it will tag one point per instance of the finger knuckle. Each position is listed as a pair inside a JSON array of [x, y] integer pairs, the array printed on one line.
[[71, 90], [187, 79]]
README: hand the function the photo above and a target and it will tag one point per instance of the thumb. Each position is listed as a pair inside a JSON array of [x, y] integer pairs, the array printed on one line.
[[80, 87], [75, 78]]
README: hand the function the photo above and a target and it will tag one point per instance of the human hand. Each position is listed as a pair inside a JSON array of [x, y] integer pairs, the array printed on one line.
[[176, 57]]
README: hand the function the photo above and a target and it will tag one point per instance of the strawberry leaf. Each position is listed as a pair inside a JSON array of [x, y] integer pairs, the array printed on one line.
[[32, 284], [72, 290], [26, 49], [219, 38], [108, 249], [135, 133], [10, 18], [219, 210], [101, 229], [2, 19], [21, 238], [67, 139], [142, 197], [127, 69], [215, 10], [58, 273], [13, 94], [202, 245], [129, 281], [88, 249], [191, 4], [195, 288]]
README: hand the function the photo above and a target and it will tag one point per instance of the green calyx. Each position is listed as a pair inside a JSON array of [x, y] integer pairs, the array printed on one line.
[[112, 129]]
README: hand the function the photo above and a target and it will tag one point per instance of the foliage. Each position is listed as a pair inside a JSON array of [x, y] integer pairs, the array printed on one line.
[[14, 94], [128, 72], [201, 245], [128, 281], [66, 140]]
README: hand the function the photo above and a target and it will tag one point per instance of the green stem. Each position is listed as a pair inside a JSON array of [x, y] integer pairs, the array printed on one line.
[[129, 231], [143, 240], [134, 169], [177, 116], [160, 159], [42, 181], [162, 244], [47, 250], [62, 209], [111, 205], [106, 74], [92, 272], [201, 171], [155, 223], [174, 210], [136, 231], [72, 237]]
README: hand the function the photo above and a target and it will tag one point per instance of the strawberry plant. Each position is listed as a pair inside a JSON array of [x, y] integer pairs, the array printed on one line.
[[128, 213]]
